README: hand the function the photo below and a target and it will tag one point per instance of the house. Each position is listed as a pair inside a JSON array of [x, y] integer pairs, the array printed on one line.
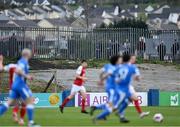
[[174, 14], [39, 12], [17, 23], [54, 37], [53, 23], [30, 14], [155, 20], [70, 1], [160, 9], [169, 26], [61, 11], [124, 14], [106, 15], [178, 24], [45, 3], [100, 12], [79, 23], [51, 13], [149, 9], [77, 13], [24, 23], [40, 2], [14, 14], [135, 11], [95, 22], [4, 17], [13, 2], [116, 11], [107, 22]]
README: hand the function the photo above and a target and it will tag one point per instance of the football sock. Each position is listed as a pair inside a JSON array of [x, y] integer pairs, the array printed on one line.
[[15, 109], [22, 111], [83, 104], [137, 106], [65, 102], [30, 112]]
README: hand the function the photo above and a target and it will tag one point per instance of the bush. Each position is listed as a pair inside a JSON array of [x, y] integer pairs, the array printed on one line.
[[126, 23]]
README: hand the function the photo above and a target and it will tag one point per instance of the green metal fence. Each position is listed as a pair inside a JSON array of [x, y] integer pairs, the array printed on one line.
[[69, 43]]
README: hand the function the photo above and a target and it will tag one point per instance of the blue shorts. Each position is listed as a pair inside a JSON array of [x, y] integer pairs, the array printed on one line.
[[120, 96], [111, 94], [23, 92]]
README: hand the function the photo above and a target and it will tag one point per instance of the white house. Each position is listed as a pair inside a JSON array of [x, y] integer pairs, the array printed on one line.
[[173, 17]]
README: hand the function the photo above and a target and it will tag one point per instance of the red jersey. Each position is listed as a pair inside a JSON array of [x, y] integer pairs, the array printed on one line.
[[11, 69], [82, 72]]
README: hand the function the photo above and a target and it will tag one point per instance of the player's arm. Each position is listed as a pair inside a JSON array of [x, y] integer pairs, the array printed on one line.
[[104, 75], [2, 67], [137, 76], [19, 71]]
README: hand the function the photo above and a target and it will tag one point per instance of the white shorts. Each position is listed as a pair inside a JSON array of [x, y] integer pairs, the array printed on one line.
[[76, 89], [132, 90]]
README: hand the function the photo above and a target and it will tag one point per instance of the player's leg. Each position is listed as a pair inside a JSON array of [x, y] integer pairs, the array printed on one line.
[[15, 113], [121, 103], [12, 96], [134, 98], [4, 107], [121, 111], [109, 107], [30, 110], [83, 94], [22, 113], [74, 90], [107, 110], [26, 95], [111, 94]]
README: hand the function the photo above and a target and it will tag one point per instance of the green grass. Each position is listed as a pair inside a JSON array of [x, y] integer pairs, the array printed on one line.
[[73, 117]]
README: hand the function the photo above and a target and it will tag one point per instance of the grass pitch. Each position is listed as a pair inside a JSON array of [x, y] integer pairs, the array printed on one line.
[[73, 117]]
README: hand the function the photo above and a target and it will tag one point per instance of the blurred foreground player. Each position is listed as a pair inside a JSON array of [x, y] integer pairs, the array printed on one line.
[[78, 86], [106, 77], [133, 97], [11, 69], [20, 88]]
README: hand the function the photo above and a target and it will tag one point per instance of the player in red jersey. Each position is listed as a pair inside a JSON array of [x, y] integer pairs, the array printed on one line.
[[78, 86], [134, 94], [11, 69]]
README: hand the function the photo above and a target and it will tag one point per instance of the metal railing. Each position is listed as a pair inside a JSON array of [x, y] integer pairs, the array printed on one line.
[[68, 43]]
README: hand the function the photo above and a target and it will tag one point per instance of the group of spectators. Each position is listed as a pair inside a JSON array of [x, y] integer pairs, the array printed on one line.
[[110, 48]]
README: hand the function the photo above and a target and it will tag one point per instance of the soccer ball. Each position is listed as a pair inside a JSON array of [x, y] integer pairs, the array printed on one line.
[[158, 117], [54, 99]]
